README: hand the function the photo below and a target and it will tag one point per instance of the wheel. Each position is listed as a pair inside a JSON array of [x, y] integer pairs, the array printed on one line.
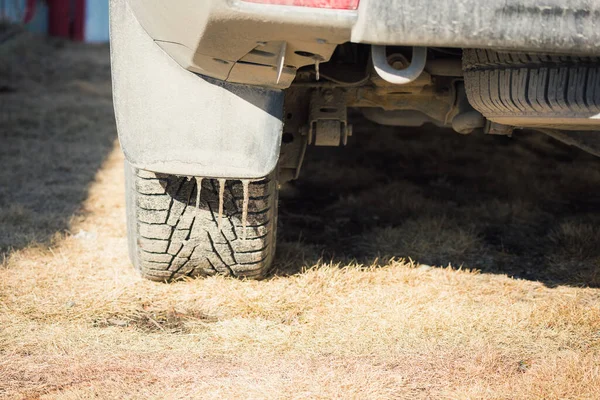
[[533, 89], [171, 236]]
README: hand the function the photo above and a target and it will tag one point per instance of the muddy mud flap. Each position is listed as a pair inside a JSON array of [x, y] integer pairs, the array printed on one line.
[[173, 121]]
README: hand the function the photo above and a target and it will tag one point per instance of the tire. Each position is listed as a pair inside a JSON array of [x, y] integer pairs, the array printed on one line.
[[171, 238], [532, 89]]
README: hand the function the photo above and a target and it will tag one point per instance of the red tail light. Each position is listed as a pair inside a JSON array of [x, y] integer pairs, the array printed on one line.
[[333, 4]]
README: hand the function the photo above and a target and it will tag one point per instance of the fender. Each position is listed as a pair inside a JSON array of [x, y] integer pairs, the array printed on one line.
[[173, 121]]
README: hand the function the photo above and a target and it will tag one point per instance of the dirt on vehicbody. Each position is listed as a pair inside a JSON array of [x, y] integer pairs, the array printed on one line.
[[345, 313]]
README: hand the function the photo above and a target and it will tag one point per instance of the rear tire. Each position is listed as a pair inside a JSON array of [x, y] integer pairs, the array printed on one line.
[[171, 238], [534, 90]]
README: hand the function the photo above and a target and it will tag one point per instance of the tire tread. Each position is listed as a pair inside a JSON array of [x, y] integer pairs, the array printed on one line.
[[502, 84], [173, 238]]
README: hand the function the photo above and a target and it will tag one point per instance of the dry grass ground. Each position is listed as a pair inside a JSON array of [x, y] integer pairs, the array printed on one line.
[[362, 303]]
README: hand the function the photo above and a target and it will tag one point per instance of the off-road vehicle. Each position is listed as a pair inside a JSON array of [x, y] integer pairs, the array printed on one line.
[[217, 101]]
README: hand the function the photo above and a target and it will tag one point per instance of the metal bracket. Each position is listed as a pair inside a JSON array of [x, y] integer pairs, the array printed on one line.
[[328, 118], [494, 128], [293, 142]]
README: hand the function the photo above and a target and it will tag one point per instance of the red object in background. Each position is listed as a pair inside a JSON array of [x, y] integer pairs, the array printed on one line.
[[334, 4], [79, 20], [29, 11], [66, 18]]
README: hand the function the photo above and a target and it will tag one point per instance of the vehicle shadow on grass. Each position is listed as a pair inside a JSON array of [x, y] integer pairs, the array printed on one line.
[[526, 206], [56, 129]]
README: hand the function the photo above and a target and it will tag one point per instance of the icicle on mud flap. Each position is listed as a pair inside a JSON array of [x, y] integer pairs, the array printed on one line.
[[221, 201], [222, 182], [246, 190], [198, 192]]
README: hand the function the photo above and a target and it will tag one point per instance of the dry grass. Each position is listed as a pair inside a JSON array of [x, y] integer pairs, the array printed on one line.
[[516, 317]]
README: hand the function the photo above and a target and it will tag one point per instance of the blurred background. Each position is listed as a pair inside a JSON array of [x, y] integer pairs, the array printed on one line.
[[80, 20]]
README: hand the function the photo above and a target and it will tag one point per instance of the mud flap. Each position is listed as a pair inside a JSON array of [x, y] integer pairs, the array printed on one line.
[[173, 121]]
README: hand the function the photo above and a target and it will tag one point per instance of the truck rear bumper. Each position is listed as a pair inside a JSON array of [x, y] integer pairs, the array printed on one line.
[[242, 42], [559, 26]]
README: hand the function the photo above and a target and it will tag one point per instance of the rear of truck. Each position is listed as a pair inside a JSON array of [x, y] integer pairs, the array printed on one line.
[[218, 101]]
